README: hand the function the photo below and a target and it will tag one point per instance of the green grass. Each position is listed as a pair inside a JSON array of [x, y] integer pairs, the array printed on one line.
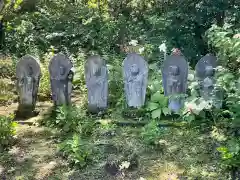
[[179, 151]]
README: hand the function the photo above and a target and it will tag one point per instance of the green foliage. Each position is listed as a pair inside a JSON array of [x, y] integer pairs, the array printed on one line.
[[77, 151], [71, 120], [7, 131], [44, 84], [226, 41], [106, 27], [7, 68], [6, 95], [151, 133], [116, 94], [7, 72], [230, 154], [158, 105], [65, 118]]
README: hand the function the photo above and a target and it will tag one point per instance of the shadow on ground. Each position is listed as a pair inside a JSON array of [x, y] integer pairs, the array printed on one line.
[[33, 156]]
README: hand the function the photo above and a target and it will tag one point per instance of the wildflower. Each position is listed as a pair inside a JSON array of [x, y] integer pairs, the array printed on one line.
[[163, 47], [219, 68], [190, 77], [141, 50], [176, 51], [73, 69], [189, 108], [124, 165], [133, 42], [237, 36]]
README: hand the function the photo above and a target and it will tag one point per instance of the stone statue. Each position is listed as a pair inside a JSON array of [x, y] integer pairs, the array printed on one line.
[[135, 73], [28, 74], [205, 72], [61, 77], [174, 77], [96, 77]]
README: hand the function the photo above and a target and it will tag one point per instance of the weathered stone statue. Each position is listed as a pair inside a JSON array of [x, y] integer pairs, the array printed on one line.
[[28, 74], [61, 77], [96, 77], [135, 73], [174, 76], [205, 72]]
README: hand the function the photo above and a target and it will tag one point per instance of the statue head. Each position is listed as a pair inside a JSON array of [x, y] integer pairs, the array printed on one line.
[[174, 70], [30, 71], [95, 67], [62, 70], [134, 69], [209, 71]]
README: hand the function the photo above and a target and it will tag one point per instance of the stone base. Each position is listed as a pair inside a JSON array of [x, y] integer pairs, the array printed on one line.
[[96, 110], [25, 112]]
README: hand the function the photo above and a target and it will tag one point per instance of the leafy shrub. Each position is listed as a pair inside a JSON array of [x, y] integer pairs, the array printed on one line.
[[7, 131], [7, 73], [151, 133], [77, 151], [71, 120], [6, 93], [7, 68], [79, 76], [230, 153], [44, 84], [157, 104], [65, 118], [116, 93], [226, 42]]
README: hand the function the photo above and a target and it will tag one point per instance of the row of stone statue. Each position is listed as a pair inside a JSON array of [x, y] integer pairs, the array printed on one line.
[[135, 74]]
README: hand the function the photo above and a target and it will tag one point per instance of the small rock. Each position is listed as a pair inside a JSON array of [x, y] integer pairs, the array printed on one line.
[[111, 168]]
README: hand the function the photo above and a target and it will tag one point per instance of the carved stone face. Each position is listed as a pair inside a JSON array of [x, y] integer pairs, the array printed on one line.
[[134, 69], [30, 71], [209, 71], [95, 68], [174, 70], [62, 70]]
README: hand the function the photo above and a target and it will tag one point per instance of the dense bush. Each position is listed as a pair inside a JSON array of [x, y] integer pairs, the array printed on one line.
[[76, 150], [7, 74], [7, 131], [226, 42], [107, 27]]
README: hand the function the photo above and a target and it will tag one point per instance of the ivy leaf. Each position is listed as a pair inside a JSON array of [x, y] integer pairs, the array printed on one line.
[[152, 106], [156, 113], [158, 97]]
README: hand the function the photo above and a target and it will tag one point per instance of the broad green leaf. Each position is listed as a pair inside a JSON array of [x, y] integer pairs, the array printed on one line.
[[152, 106], [158, 97], [156, 113], [227, 156], [17, 3], [166, 111], [222, 149]]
